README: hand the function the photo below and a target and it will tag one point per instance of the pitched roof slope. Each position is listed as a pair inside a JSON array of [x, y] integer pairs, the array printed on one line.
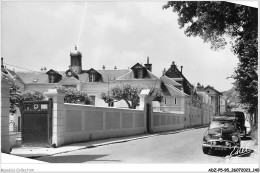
[[170, 81], [33, 77], [110, 75]]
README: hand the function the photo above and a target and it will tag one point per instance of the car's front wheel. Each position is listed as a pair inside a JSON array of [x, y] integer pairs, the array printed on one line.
[[205, 150]]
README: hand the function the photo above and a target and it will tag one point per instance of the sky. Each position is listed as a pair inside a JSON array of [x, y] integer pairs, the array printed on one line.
[[42, 34]]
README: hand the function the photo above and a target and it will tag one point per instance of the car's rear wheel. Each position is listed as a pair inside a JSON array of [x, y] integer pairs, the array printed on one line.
[[205, 150]]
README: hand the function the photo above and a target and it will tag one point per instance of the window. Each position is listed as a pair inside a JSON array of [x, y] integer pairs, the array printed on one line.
[[92, 77], [111, 104], [175, 101], [52, 79], [138, 73], [93, 99], [164, 100]]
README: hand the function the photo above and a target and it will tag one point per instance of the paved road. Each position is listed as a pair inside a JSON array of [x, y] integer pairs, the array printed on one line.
[[182, 147]]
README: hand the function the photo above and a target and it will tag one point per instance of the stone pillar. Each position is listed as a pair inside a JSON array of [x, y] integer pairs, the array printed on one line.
[[144, 100], [79, 87], [58, 117], [5, 106], [143, 96]]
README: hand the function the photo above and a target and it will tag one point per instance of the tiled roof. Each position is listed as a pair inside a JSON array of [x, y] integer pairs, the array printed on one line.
[[177, 79], [171, 86], [130, 75], [13, 74], [174, 91], [210, 87], [170, 81], [53, 71], [112, 75], [107, 75], [69, 80], [83, 77], [152, 76], [33, 77]]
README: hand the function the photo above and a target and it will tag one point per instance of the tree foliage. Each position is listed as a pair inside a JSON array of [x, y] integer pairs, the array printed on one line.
[[17, 97], [76, 97], [129, 93], [156, 93], [214, 22]]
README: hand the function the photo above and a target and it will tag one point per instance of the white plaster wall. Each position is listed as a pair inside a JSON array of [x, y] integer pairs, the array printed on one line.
[[167, 121], [5, 106], [108, 123]]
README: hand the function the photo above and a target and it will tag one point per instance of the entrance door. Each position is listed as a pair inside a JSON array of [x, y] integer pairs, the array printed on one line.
[[37, 123]]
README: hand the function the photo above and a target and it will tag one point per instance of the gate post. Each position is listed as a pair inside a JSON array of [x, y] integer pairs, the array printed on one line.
[[5, 106], [144, 102], [58, 116]]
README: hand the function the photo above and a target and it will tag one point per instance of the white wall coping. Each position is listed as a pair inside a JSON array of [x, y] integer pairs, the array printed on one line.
[[82, 105], [172, 112]]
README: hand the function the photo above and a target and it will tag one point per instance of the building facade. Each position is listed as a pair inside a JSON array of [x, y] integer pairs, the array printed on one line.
[[92, 81]]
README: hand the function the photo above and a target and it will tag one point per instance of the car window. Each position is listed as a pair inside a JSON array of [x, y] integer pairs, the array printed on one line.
[[222, 124]]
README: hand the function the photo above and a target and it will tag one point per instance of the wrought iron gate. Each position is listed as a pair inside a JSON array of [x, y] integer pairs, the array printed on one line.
[[37, 123]]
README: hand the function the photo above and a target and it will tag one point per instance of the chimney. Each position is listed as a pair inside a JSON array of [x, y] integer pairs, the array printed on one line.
[[103, 67], [164, 71], [2, 62], [181, 69], [115, 68], [148, 66]]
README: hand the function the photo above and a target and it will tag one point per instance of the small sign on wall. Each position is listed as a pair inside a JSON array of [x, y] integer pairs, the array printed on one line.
[[44, 106]]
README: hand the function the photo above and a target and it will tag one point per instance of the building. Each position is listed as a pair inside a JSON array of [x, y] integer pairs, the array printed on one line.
[[179, 94], [174, 97], [217, 102], [14, 118], [93, 81]]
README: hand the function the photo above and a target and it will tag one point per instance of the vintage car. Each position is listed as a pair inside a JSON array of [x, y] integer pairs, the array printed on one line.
[[222, 134], [240, 121]]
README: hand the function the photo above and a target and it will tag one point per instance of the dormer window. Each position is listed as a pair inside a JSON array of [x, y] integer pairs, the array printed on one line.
[[93, 75], [54, 76], [139, 71], [51, 79]]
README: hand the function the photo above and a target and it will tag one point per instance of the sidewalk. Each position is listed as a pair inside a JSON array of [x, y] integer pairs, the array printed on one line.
[[35, 152]]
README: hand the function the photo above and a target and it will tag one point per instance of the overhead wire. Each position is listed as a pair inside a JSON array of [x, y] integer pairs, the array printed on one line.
[[22, 68]]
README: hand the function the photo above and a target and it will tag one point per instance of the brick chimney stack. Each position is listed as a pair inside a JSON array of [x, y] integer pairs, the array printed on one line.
[[148, 66]]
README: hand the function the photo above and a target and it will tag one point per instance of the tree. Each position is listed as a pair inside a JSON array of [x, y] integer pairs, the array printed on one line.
[[17, 97], [214, 22], [76, 97], [129, 93], [156, 93]]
